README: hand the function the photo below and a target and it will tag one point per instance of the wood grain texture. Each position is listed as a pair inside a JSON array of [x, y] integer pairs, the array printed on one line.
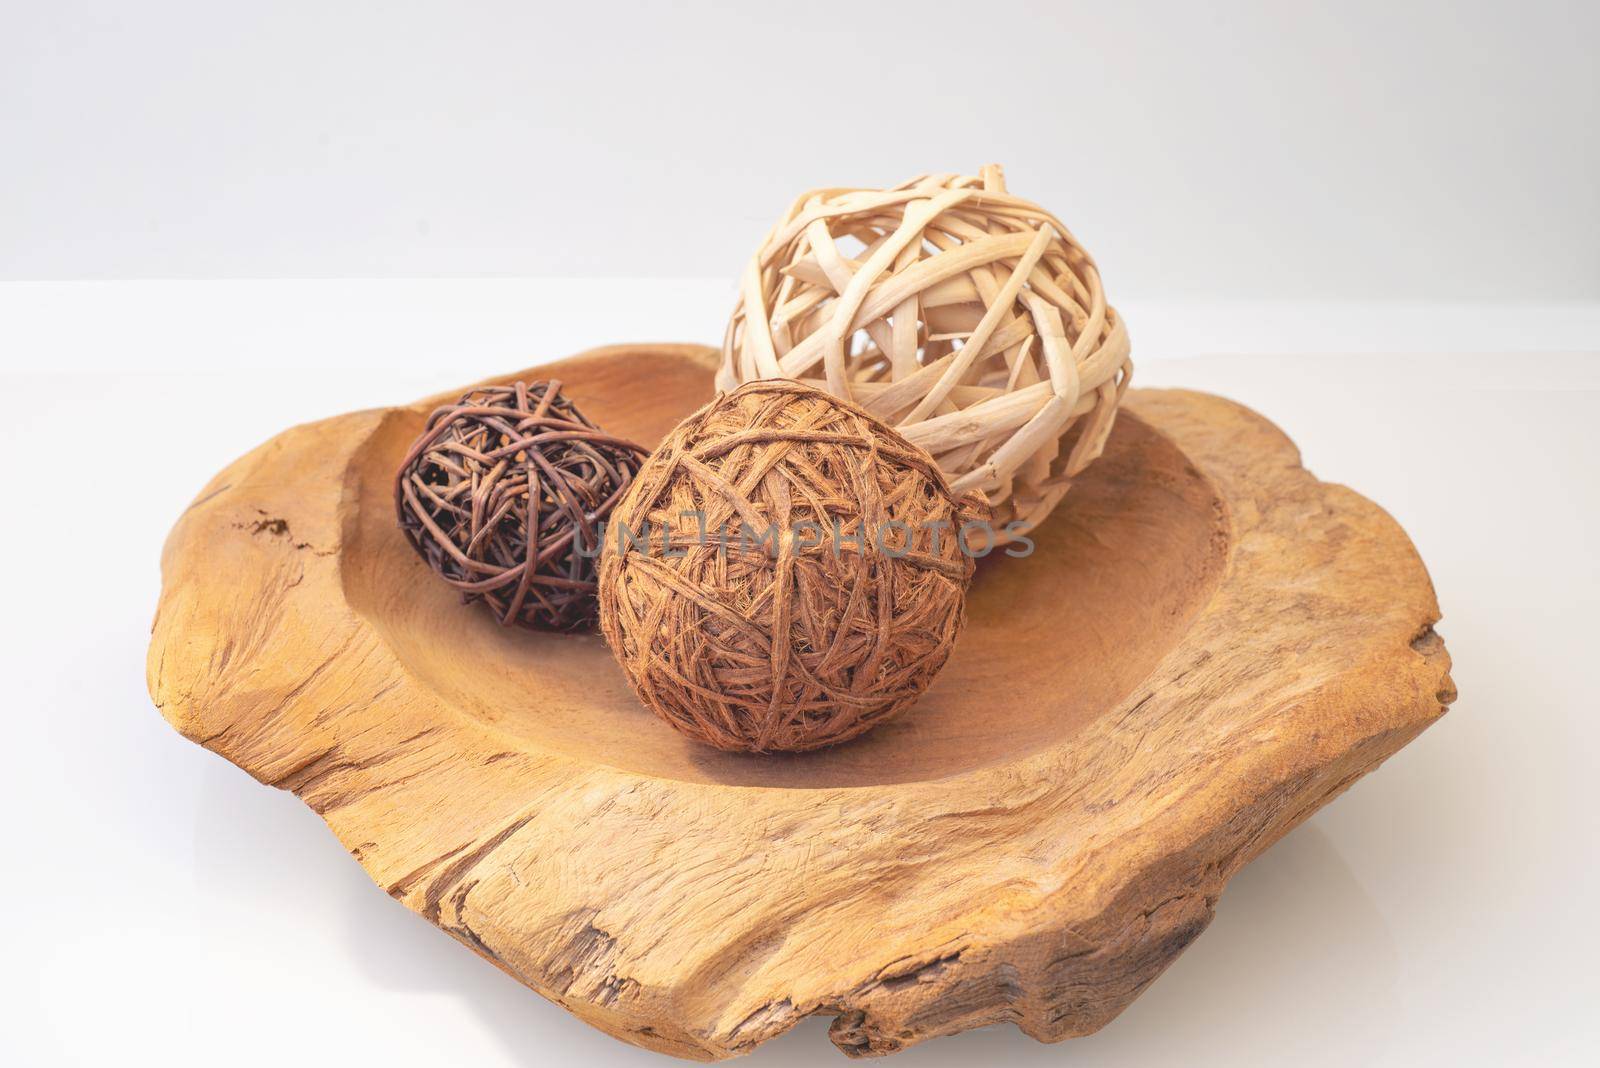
[[1207, 645]]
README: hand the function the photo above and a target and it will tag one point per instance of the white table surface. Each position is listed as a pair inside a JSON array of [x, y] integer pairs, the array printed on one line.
[[165, 909]]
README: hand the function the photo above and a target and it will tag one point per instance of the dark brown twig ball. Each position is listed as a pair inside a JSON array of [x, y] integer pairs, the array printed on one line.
[[786, 572], [463, 496]]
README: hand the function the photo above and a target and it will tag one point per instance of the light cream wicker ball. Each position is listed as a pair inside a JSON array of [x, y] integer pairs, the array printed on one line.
[[964, 316]]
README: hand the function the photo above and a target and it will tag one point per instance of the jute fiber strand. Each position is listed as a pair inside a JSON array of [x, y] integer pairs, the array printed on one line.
[[966, 317], [837, 621], [504, 495]]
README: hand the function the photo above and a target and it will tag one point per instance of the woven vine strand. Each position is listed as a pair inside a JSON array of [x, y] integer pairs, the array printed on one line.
[[504, 495], [966, 317]]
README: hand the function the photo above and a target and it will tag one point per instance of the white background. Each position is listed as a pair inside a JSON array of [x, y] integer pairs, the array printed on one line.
[[1359, 149], [216, 220]]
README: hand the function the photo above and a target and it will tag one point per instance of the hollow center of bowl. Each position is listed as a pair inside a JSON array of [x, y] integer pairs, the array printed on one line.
[[1052, 642]]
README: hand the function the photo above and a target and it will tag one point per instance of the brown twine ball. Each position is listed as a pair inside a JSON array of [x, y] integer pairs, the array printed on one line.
[[463, 496], [785, 573], [964, 316]]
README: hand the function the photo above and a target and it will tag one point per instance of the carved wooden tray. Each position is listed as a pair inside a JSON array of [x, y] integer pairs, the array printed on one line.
[[1207, 645]]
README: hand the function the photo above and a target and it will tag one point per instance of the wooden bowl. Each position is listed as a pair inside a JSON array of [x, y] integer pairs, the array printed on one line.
[[1206, 645]]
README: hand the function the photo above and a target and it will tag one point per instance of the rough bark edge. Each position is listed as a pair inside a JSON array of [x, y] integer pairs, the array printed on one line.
[[1012, 975]]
